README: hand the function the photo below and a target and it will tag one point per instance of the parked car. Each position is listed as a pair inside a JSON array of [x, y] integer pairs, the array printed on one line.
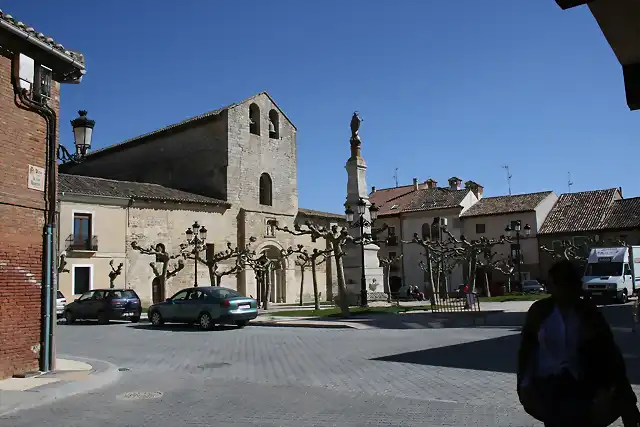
[[61, 301], [533, 286], [105, 305], [206, 306]]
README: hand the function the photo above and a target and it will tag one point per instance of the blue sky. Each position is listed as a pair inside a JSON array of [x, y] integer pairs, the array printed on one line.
[[449, 87]]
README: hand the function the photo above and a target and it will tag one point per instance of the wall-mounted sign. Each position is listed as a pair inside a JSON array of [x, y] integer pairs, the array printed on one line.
[[36, 178]]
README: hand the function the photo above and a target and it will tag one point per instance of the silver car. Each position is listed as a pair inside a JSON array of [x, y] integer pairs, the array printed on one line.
[[206, 306], [61, 302], [533, 286]]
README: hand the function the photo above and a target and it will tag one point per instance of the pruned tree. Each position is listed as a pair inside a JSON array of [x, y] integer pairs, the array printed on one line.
[[163, 257], [441, 257], [313, 259], [386, 264], [473, 252], [62, 263], [337, 238], [214, 261], [570, 251], [114, 273]]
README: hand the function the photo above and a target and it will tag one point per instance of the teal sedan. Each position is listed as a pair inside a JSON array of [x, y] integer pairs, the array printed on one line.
[[206, 306]]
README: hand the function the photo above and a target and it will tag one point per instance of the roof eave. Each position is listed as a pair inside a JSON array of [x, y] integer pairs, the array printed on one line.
[[65, 68], [498, 213]]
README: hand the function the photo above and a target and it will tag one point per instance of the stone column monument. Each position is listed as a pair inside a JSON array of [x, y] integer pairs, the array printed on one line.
[[356, 190]]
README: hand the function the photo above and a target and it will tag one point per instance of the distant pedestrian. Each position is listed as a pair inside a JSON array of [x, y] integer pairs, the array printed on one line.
[[570, 370]]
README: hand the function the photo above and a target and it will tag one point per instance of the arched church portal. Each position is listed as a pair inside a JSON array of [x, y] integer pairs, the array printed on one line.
[[277, 277]]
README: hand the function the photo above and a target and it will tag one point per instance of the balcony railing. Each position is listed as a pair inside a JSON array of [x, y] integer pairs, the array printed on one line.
[[82, 243]]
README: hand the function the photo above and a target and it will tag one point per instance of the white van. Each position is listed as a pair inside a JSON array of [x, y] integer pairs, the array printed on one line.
[[610, 274]]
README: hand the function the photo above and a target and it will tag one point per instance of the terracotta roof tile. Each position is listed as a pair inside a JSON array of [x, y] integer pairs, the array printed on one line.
[[584, 211], [406, 199], [319, 214], [30, 32], [91, 186], [500, 205], [623, 213]]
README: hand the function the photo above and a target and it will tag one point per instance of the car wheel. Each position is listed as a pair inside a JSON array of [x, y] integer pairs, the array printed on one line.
[[135, 319], [205, 321], [69, 317], [103, 318], [156, 318], [624, 298], [242, 323]]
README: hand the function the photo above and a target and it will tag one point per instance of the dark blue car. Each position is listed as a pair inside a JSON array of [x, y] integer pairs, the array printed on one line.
[[105, 305]]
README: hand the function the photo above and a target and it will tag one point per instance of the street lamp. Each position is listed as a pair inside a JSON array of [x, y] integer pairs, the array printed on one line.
[[196, 235], [82, 134], [361, 223], [517, 227]]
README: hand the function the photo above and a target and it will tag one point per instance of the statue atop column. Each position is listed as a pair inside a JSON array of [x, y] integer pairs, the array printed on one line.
[[355, 137]]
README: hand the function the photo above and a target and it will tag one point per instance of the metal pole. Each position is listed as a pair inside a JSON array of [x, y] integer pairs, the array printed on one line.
[[45, 363], [363, 278], [519, 259], [195, 249]]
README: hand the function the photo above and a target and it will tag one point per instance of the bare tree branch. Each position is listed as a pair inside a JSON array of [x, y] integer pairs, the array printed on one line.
[[114, 273]]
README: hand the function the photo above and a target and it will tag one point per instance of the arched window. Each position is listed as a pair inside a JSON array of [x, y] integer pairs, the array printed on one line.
[[254, 119], [274, 124], [265, 189]]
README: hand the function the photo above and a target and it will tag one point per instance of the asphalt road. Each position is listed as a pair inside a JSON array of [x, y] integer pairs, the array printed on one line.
[[263, 376]]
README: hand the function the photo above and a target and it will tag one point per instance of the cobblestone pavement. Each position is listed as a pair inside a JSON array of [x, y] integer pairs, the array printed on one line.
[[293, 377]]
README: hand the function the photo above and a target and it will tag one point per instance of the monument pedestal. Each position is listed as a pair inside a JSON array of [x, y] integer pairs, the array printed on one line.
[[357, 192]]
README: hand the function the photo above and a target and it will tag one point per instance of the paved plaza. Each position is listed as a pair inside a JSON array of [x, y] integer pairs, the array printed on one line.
[[271, 376]]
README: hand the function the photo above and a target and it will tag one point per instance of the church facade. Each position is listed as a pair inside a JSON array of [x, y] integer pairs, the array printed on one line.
[[234, 170]]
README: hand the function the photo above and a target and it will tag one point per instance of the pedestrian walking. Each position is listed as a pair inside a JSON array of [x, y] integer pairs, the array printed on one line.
[[570, 371]]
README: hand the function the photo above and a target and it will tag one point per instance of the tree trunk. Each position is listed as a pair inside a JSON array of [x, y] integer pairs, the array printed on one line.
[[509, 283], [218, 280], [301, 283], [314, 278], [343, 303], [486, 281], [163, 278], [387, 286], [267, 287], [472, 279]]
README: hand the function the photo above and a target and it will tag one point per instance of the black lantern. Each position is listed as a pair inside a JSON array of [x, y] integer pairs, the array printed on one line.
[[373, 210], [82, 132], [527, 230], [349, 214], [361, 206]]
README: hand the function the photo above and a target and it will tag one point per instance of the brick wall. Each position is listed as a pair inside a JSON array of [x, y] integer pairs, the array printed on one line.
[[22, 143]]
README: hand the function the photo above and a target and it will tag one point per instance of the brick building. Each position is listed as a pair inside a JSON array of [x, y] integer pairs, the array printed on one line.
[[234, 170], [31, 61]]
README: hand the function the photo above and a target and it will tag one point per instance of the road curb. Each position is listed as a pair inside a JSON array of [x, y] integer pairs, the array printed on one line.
[[102, 374]]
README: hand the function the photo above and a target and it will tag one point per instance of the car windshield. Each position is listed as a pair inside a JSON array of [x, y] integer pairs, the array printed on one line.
[[604, 269], [60, 295], [224, 293], [121, 294], [531, 283]]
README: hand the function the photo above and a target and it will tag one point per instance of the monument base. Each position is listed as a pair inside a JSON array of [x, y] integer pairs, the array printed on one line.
[[374, 274]]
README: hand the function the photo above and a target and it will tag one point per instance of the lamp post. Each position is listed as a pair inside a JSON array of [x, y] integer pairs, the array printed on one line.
[[82, 135], [517, 228], [196, 235], [361, 223]]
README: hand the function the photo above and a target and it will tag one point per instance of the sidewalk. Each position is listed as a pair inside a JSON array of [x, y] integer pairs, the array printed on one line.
[[71, 377]]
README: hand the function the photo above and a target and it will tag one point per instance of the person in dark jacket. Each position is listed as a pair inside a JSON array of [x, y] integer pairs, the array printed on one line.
[[570, 370]]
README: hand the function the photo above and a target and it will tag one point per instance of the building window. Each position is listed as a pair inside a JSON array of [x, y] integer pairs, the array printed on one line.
[[82, 227], [274, 124], [480, 228], [514, 224], [271, 228], [556, 245], [81, 279], [265, 190], [254, 119], [43, 85], [515, 248], [392, 231]]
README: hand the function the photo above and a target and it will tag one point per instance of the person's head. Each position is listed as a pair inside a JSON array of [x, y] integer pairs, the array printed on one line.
[[566, 281]]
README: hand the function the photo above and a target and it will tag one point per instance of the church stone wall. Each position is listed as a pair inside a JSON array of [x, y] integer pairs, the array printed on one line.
[[191, 158]]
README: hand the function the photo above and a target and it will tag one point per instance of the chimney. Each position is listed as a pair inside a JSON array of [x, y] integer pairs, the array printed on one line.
[[415, 184], [476, 188], [455, 183], [431, 183], [620, 189], [373, 189]]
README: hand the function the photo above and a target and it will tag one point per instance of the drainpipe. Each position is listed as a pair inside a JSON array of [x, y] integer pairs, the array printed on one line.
[[47, 359]]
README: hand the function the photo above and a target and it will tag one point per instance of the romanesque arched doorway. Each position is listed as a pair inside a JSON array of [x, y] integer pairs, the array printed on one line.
[[277, 275]]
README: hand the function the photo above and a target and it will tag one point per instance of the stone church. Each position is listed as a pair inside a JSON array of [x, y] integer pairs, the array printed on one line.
[[234, 170]]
